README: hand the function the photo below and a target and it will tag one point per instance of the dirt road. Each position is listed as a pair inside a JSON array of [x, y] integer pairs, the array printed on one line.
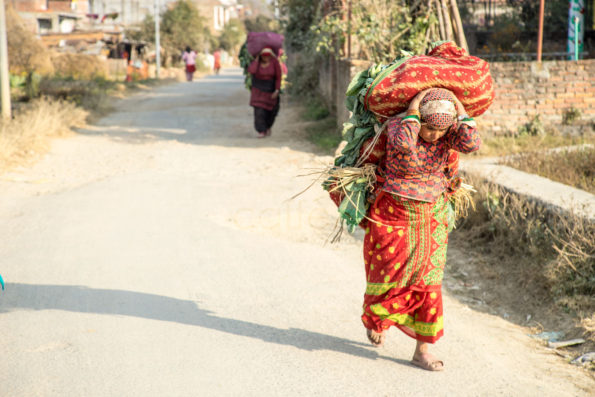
[[155, 254]]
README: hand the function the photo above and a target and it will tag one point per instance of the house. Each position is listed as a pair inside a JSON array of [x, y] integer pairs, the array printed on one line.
[[51, 16], [218, 12]]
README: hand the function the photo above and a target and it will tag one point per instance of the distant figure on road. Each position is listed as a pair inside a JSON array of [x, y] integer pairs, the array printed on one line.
[[282, 59], [217, 61], [266, 84], [189, 58], [407, 234]]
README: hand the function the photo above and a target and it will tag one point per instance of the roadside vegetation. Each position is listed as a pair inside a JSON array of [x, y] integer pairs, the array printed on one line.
[[531, 259], [323, 130], [571, 167]]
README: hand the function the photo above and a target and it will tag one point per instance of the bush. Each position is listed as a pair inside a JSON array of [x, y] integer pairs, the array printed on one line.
[[547, 254], [26, 53], [571, 116], [79, 66], [89, 94], [316, 110], [28, 133], [534, 127]]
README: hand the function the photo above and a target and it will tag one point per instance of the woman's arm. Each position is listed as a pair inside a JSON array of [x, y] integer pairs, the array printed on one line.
[[253, 68], [403, 134], [464, 137], [278, 78]]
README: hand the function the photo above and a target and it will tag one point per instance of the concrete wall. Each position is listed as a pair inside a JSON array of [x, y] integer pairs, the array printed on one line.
[[523, 89], [333, 80]]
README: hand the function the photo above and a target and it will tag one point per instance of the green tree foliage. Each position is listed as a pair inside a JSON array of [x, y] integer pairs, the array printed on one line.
[[233, 35], [555, 17], [379, 28], [145, 31], [181, 25], [299, 17], [261, 23], [516, 29]]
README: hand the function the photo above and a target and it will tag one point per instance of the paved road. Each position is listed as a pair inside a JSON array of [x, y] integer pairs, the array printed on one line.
[[155, 254]]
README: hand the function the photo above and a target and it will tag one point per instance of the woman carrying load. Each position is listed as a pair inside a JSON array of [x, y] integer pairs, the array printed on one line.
[[264, 97], [407, 235]]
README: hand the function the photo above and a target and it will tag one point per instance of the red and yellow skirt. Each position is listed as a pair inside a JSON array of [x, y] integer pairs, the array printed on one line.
[[405, 253]]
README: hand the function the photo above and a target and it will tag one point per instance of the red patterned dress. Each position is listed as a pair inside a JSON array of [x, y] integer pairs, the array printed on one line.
[[405, 244]]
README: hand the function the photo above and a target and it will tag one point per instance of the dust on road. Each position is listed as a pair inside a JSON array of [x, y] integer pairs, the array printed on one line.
[[156, 254]]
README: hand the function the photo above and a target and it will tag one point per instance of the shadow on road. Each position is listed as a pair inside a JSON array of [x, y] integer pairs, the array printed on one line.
[[162, 308]]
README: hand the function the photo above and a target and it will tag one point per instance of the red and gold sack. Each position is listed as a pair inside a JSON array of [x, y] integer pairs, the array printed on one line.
[[446, 66]]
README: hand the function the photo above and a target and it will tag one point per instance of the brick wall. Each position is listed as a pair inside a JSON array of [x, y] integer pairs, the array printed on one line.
[[524, 89]]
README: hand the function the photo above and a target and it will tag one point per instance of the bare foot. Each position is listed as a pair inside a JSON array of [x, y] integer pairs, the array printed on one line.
[[427, 361], [375, 338]]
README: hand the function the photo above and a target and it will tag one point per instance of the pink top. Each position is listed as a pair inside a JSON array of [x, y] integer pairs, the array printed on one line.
[[189, 58]]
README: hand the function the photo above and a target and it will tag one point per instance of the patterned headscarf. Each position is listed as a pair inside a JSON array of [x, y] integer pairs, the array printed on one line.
[[437, 109]]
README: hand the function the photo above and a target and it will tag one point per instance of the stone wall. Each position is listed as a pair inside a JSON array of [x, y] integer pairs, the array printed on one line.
[[523, 90]]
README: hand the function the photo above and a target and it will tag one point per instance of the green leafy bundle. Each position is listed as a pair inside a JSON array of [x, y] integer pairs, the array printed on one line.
[[245, 61], [358, 129]]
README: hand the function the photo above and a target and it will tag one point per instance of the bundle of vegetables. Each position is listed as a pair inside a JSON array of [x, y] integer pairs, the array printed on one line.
[[383, 91], [245, 60]]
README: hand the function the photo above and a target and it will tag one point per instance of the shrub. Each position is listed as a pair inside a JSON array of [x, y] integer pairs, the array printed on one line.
[[534, 127], [79, 66], [28, 133], [571, 115], [545, 253]]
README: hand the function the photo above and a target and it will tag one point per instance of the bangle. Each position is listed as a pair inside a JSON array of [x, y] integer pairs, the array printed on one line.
[[413, 112]]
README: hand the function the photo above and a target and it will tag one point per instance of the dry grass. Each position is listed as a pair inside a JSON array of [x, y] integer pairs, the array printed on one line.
[[28, 133], [498, 145], [536, 259], [575, 168], [92, 95], [79, 66]]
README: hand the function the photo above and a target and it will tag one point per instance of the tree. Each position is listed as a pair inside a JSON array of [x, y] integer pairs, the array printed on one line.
[[261, 23], [181, 26], [233, 35], [379, 28]]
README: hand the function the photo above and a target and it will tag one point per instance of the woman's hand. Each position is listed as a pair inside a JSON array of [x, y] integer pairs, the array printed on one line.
[[275, 94], [414, 104]]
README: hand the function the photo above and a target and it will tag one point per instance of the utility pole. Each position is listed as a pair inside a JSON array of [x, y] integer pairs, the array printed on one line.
[[157, 40], [540, 30], [4, 79]]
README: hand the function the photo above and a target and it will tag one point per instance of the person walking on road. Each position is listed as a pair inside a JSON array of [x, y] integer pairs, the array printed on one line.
[[217, 61], [266, 84], [189, 58], [407, 234]]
